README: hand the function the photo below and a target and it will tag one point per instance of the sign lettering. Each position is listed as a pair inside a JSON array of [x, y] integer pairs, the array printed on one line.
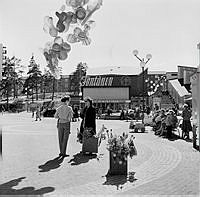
[[97, 81]]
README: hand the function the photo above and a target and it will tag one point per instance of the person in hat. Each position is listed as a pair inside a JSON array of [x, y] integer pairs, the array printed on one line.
[[186, 125], [64, 114]]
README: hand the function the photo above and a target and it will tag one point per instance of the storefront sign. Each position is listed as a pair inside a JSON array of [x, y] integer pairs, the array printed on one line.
[[97, 81]]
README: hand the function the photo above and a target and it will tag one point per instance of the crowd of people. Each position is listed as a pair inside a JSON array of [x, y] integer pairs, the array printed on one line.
[[165, 121]]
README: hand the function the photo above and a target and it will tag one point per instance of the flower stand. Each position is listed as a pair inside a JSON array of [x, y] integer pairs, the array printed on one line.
[[90, 145], [117, 167]]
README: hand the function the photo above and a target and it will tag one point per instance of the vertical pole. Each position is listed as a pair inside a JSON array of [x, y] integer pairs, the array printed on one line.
[[198, 95], [7, 95], [53, 88], [32, 95], [14, 82], [143, 94]]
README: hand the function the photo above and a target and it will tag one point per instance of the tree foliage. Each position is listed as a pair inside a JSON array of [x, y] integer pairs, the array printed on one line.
[[34, 79], [76, 76]]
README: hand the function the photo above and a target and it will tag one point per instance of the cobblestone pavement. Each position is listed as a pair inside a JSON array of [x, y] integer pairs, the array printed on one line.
[[28, 164]]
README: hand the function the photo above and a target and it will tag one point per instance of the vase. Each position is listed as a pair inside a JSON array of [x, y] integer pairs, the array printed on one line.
[[117, 167]]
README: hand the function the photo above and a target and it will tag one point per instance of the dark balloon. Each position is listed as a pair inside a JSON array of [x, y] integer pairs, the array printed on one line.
[[80, 13], [56, 47]]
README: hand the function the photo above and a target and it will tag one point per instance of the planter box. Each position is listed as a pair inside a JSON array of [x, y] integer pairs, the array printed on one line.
[[90, 145], [116, 168]]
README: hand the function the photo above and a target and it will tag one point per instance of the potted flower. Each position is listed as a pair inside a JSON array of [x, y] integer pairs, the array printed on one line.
[[120, 147]]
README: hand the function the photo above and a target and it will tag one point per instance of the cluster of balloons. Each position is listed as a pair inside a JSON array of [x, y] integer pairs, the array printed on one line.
[[77, 19]]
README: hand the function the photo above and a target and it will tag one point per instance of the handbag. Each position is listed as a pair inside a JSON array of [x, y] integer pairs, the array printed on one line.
[[88, 132]]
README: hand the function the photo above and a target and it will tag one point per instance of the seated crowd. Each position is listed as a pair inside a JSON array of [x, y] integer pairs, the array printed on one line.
[[164, 122]]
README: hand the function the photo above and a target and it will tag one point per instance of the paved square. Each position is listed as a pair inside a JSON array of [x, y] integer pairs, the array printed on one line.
[[29, 167]]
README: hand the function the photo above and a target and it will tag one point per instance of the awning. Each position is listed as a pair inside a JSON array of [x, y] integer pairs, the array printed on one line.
[[181, 90]]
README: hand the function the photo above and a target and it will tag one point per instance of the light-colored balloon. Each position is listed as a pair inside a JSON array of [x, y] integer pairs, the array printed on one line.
[[48, 45], [87, 41], [58, 40], [82, 35], [46, 28], [52, 30], [47, 20], [71, 38], [77, 30], [67, 25], [62, 9], [74, 3]]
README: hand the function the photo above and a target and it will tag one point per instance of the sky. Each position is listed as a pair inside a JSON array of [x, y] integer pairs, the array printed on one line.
[[167, 29]]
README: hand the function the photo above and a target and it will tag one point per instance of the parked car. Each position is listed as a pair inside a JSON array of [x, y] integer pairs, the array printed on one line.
[[49, 108]]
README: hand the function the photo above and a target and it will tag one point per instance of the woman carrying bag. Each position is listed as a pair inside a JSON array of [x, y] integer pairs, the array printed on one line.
[[89, 122]]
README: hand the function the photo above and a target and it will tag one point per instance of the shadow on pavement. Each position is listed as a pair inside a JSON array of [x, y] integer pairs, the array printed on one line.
[[7, 189], [80, 158], [51, 164], [119, 180]]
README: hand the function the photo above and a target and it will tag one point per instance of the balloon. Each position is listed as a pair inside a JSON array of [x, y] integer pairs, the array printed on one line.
[[72, 16], [46, 28], [58, 40], [82, 35], [48, 45], [74, 3], [62, 9], [46, 20], [71, 38], [87, 41], [62, 17], [80, 13], [92, 6], [77, 30], [62, 55], [78, 16], [52, 30], [66, 46], [89, 25], [56, 47]]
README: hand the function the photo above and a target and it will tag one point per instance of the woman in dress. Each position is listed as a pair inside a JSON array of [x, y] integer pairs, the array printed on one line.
[[186, 125], [88, 116]]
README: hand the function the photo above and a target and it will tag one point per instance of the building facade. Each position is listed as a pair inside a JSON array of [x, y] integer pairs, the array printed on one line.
[[116, 91]]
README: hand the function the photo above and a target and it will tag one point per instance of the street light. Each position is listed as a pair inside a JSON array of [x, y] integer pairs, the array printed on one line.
[[142, 65]]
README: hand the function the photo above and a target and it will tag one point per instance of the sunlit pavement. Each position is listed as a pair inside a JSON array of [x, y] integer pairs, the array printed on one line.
[[28, 165]]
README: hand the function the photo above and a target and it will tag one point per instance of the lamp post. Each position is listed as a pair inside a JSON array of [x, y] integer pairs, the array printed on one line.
[[143, 62]]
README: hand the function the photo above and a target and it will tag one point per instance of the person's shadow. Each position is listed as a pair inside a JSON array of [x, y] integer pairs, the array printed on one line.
[[119, 180], [7, 189], [51, 164], [80, 158]]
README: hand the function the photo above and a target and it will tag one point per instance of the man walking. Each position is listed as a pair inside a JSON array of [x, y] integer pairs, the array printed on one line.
[[64, 114]]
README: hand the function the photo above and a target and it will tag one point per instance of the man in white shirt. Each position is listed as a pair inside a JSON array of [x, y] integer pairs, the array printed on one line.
[[64, 114]]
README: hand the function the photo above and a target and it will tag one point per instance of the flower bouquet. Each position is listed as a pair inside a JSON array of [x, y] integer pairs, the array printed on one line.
[[120, 147]]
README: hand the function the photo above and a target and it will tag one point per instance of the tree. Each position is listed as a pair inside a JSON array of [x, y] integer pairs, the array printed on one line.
[[18, 78], [34, 79], [47, 80], [76, 76], [8, 75]]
